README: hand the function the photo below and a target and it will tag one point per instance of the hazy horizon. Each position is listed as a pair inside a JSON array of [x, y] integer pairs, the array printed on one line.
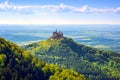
[[99, 36]]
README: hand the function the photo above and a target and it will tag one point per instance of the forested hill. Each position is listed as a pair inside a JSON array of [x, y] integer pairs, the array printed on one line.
[[93, 63], [17, 64]]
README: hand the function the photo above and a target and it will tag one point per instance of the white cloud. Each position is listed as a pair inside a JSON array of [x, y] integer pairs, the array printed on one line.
[[108, 10], [5, 5], [82, 9], [9, 7]]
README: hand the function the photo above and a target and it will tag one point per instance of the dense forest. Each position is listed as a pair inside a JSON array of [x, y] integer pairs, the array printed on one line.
[[18, 64], [95, 64]]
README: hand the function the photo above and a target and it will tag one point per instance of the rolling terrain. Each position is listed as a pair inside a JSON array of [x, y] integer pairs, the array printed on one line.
[[93, 63], [104, 37]]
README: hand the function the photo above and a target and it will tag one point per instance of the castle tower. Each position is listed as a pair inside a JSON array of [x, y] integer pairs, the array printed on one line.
[[57, 35]]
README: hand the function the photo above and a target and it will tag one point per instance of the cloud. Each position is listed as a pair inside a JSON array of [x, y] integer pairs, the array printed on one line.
[[10, 7], [108, 10], [82, 9]]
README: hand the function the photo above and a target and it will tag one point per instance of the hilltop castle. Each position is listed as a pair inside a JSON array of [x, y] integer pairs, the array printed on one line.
[[57, 35]]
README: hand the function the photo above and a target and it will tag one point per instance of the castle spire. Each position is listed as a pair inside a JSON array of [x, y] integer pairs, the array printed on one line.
[[57, 35]]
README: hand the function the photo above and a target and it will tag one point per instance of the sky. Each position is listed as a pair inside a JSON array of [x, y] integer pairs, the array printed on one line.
[[60, 12]]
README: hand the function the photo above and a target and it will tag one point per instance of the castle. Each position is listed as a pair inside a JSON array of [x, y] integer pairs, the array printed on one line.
[[57, 35]]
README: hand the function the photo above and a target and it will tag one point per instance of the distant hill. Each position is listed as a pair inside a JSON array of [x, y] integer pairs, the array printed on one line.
[[17, 64], [93, 63]]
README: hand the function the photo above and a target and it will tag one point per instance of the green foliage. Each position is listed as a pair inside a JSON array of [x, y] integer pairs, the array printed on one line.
[[66, 75], [17, 64], [2, 59], [93, 63]]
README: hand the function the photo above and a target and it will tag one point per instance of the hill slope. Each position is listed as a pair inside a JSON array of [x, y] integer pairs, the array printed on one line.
[[93, 63], [17, 64]]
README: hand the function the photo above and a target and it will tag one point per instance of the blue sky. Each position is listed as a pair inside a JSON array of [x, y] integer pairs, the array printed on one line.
[[59, 11]]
